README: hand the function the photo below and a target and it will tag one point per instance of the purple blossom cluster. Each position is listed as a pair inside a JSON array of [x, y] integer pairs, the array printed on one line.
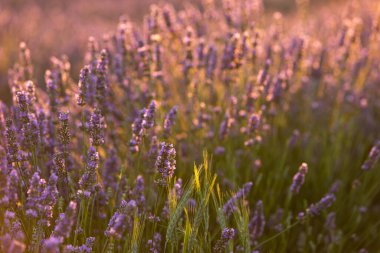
[[117, 158]]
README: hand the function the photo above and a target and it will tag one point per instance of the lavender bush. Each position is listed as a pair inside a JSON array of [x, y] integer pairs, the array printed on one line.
[[215, 128]]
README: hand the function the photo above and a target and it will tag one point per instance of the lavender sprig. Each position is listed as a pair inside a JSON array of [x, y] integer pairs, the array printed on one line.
[[299, 178]]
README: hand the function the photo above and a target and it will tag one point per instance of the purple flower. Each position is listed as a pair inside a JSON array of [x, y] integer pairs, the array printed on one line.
[[138, 193], [165, 162], [13, 152], [11, 245], [323, 204], [61, 171], [63, 131], [116, 225], [299, 178], [31, 134], [219, 150], [121, 220], [13, 225], [158, 61], [137, 132], [372, 158], [23, 106], [97, 127], [169, 121], [253, 123], [230, 206], [12, 187], [149, 116], [201, 53], [257, 223], [52, 91], [88, 180], [65, 222], [227, 235], [101, 81], [275, 220], [85, 248], [83, 86], [211, 60], [25, 62], [51, 245], [154, 245], [36, 187], [226, 126], [188, 44], [111, 169]]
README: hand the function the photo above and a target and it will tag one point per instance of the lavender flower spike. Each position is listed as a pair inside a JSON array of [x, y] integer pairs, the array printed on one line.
[[165, 162], [258, 222], [88, 179], [13, 151], [230, 205], [169, 121], [63, 131], [121, 219], [227, 235], [96, 128], [82, 85], [65, 222], [154, 245], [149, 116], [323, 204], [373, 157], [299, 178]]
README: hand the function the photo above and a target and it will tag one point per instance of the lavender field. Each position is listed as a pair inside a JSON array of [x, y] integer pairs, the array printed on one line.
[[196, 126]]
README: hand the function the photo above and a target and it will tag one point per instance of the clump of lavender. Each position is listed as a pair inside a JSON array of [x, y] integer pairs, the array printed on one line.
[[230, 71], [227, 235], [372, 158], [230, 206], [166, 160], [299, 178], [169, 121]]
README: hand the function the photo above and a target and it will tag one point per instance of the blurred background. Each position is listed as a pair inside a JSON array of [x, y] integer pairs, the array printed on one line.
[[55, 27]]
